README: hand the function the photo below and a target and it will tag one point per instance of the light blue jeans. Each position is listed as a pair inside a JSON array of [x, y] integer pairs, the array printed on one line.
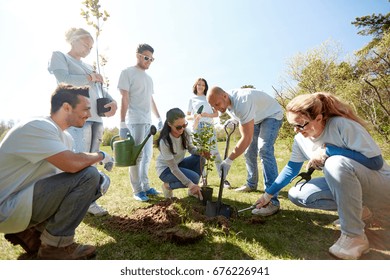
[[87, 138], [190, 166], [139, 173], [346, 187], [60, 202], [262, 145]]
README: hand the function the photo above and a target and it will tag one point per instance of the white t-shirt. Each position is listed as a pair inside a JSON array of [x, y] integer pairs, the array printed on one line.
[[195, 103], [249, 104], [139, 85], [22, 163], [340, 132]]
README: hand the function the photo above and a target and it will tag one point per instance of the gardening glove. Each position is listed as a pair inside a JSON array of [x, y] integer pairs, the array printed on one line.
[[225, 166], [263, 200], [107, 161], [159, 124], [231, 123], [318, 158], [124, 130]]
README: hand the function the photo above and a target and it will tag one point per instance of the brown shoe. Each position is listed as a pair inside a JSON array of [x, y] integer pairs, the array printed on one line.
[[72, 252], [28, 239]]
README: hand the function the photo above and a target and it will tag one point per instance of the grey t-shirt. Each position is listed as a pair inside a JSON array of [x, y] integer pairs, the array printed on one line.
[[250, 104], [22, 163]]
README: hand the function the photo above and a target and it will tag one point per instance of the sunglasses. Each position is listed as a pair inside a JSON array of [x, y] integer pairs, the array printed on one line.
[[179, 127], [300, 127], [147, 58]]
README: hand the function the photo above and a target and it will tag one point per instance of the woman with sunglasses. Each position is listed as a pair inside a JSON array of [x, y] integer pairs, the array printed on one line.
[[173, 168], [204, 118], [334, 139]]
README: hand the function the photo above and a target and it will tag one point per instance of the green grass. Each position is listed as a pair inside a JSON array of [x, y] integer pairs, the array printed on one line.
[[294, 233]]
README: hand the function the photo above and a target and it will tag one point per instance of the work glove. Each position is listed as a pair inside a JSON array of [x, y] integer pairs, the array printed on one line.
[[107, 161], [159, 124], [318, 158], [225, 166], [124, 130], [263, 200], [231, 123]]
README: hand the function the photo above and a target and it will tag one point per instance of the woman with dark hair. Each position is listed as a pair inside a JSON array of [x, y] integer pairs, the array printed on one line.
[[332, 138], [204, 118], [173, 168]]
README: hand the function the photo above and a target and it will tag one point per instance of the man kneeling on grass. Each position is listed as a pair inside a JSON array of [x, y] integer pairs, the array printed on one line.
[[45, 188]]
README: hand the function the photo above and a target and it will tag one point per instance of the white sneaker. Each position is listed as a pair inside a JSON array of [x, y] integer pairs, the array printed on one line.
[[167, 191], [267, 210], [350, 248], [96, 210], [244, 188], [366, 214]]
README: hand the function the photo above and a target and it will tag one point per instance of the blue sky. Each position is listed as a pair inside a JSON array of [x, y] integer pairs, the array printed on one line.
[[227, 42]]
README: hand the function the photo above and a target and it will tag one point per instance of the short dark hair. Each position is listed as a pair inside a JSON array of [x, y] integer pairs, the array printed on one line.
[[144, 47], [65, 93]]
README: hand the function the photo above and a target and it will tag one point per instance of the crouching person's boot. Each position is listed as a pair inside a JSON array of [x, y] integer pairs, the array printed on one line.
[[63, 248], [28, 239]]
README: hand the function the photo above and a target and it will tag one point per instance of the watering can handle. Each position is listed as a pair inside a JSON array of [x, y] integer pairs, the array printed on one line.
[[112, 141]]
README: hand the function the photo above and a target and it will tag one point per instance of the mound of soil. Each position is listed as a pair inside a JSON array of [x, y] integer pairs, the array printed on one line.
[[165, 221]]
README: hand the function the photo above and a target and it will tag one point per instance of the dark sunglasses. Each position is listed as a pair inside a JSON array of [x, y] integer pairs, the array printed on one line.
[[147, 58], [300, 127], [179, 127]]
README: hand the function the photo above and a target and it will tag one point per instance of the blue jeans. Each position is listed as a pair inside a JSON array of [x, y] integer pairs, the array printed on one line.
[[139, 173], [263, 141], [190, 166], [61, 202], [87, 138], [346, 186]]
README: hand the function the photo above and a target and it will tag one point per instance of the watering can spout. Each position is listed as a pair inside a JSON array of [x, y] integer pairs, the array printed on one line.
[[125, 151]]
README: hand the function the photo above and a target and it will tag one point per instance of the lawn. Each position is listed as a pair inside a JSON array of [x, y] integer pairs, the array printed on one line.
[[293, 234]]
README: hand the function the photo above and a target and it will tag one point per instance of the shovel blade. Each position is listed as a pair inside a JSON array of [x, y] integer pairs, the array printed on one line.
[[213, 210]]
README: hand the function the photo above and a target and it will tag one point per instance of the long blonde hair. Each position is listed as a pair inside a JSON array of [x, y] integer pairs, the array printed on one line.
[[327, 104]]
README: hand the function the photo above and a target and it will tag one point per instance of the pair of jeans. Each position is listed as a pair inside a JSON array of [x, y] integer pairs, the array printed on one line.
[[346, 186], [190, 166], [87, 138], [61, 202], [262, 145], [139, 173]]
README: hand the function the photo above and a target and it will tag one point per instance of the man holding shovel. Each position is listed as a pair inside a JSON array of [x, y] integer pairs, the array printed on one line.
[[260, 118]]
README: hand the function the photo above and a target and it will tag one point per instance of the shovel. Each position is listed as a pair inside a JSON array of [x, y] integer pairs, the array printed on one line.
[[217, 208], [305, 177]]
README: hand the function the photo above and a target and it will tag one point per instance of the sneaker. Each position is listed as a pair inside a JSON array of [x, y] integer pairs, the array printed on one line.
[[167, 191], [141, 196], [350, 248], [267, 210], [152, 191], [244, 188], [97, 210], [72, 252], [29, 239], [104, 183], [366, 214], [226, 184]]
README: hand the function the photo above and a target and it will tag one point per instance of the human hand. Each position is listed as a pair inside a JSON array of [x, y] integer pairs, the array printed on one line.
[[196, 190], [96, 77], [159, 124], [225, 166], [317, 159], [123, 131], [113, 107], [263, 200], [231, 123]]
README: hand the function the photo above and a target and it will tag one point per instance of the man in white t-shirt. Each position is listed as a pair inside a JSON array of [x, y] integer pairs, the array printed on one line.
[[46, 188], [260, 118], [137, 103]]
